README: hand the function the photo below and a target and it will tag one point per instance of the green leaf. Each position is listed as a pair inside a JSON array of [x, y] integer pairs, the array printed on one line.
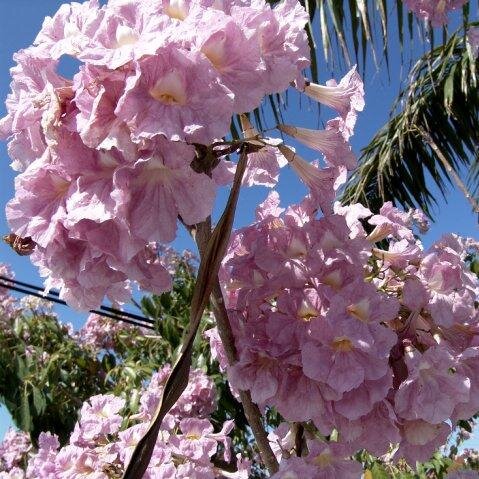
[[25, 416], [39, 401], [149, 307], [379, 472]]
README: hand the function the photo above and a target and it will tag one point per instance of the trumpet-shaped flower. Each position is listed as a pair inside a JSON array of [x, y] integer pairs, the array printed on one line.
[[346, 97], [175, 93], [161, 187], [433, 388], [330, 142]]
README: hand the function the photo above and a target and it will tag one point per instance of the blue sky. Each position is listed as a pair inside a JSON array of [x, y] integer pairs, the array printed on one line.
[[21, 20]]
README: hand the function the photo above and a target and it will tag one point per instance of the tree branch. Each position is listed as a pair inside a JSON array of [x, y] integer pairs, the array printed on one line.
[[251, 410]]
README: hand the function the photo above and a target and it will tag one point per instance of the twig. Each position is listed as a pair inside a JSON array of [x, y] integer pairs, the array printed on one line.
[[298, 439]]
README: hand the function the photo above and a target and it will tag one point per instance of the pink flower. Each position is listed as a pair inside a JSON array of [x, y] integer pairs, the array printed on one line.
[[281, 38], [36, 88], [375, 431], [176, 93], [40, 202], [13, 449], [99, 332], [390, 222], [358, 402], [434, 10], [346, 97], [263, 165], [234, 57], [295, 468], [160, 187], [42, 465], [345, 353], [196, 441], [421, 439], [433, 387], [82, 275], [73, 462], [300, 398], [330, 142], [128, 31], [216, 346], [452, 288], [469, 367], [70, 30], [97, 91], [98, 418], [198, 399], [323, 461], [321, 182], [353, 214]]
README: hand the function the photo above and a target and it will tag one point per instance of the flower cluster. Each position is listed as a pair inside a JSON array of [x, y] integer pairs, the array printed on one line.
[[103, 440], [7, 302], [434, 10], [198, 400], [105, 157], [13, 451], [379, 345], [100, 332]]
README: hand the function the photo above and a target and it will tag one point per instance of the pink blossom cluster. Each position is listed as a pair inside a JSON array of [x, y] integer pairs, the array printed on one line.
[[323, 178], [377, 346], [103, 440], [435, 11], [105, 157], [199, 398], [13, 451], [7, 302], [100, 332], [318, 459]]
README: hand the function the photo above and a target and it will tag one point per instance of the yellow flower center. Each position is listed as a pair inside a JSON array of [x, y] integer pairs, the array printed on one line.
[[170, 89], [360, 310], [177, 9], [342, 344], [323, 460]]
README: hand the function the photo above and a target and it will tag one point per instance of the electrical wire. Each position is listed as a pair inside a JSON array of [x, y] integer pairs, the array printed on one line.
[[53, 296]]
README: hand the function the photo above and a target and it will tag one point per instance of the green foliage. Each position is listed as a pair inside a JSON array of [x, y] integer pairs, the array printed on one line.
[[45, 375]]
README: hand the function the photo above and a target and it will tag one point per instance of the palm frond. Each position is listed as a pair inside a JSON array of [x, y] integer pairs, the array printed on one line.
[[433, 137], [358, 31]]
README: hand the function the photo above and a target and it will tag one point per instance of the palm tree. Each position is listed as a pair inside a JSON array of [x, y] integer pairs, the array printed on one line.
[[433, 135]]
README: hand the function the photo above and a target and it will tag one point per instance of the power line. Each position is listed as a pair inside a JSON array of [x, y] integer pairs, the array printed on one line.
[[56, 294], [53, 296]]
